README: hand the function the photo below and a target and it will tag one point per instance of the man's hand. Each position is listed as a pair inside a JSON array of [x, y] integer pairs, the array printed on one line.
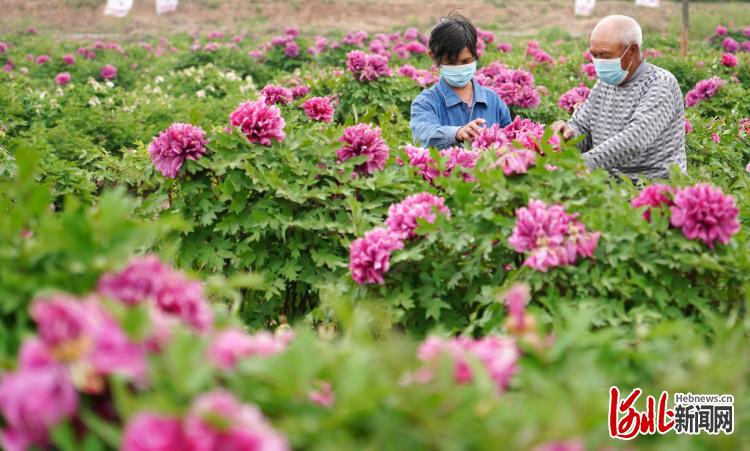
[[562, 128], [470, 131]]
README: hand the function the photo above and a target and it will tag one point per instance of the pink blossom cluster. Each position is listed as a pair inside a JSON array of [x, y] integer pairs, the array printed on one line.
[[701, 211], [231, 345], [688, 127], [731, 45], [728, 60], [364, 140], [79, 343], [42, 59], [651, 53], [369, 256], [515, 87], [534, 50], [175, 145], [276, 94], [525, 131], [402, 217], [574, 98], [86, 53], [288, 42], [744, 126], [551, 236], [721, 30], [261, 123], [704, 90], [424, 78], [216, 421], [101, 45], [3, 47], [69, 59], [496, 355], [366, 67], [355, 38], [319, 109], [589, 70], [704, 212], [108, 72], [149, 280], [455, 157], [504, 47], [62, 79]]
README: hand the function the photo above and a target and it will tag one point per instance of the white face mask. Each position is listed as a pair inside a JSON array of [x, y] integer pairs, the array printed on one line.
[[610, 71]]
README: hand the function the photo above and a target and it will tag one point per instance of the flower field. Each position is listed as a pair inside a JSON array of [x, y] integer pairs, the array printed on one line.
[[219, 242]]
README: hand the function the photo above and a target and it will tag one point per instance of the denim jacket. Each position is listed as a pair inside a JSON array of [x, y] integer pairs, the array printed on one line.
[[437, 113]]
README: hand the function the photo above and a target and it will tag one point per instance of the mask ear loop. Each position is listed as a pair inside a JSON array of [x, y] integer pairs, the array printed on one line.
[[631, 61]]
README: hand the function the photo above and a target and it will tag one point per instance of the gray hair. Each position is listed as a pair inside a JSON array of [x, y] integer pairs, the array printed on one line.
[[628, 30]]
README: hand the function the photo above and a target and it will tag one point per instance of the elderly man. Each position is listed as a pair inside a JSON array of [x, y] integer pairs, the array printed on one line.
[[633, 120]]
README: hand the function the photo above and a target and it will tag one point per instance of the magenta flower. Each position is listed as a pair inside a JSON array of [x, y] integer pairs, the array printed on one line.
[[109, 72], [323, 397], [516, 298], [421, 159], [300, 91], [552, 236], [574, 98], [402, 217], [184, 298], [369, 256], [704, 212], [744, 126], [62, 79], [319, 109], [42, 59], [364, 139], [423, 77], [721, 30], [229, 346], [514, 87], [3, 48], [730, 45], [366, 67], [355, 38], [716, 138], [498, 356], [729, 60], [69, 59], [136, 283], [494, 138], [259, 122], [688, 127], [32, 402], [114, 353], [589, 70], [275, 94], [516, 161], [152, 432], [291, 49], [176, 144], [504, 47], [60, 319], [704, 90], [218, 421], [653, 196]]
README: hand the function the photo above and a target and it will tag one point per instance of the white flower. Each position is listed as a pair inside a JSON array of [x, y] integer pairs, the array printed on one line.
[[201, 93], [158, 79], [109, 84], [94, 101]]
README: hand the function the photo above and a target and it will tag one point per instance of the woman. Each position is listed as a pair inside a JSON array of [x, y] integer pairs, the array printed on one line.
[[454, 110]]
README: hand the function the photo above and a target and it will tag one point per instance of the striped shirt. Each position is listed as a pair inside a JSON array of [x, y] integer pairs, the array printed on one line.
[[635, 128]]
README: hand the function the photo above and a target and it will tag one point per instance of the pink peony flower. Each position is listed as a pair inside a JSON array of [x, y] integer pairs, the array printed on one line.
[[323, 397], [715, 138], [300, 91], [33, 401], [402, 217], [552, 236], [366, 67], [217, 422], [109, 72], [516, 298], [176, 144], [498, 356], [421, 159], [369, 256], [704, 90], [355, 38], [504, 47], [653, 196], [574, 98], [42, 59], [319, 109], [589, 70], [721, 30], [259, 122], [514, 87], [184, 298], [136, 283], [62, 79], [729, 60], [423, 77], [688, 127], [746, 46], [229, 346], [730, 45], [3, 48], [291, 49], [704, 212], [516, 161], [275, 94], [60, 319], [69, 59], [744, 126], [364, 139], [114, 353], [152, 432]]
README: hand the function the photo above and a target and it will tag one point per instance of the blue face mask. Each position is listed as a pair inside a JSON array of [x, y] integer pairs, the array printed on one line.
[[458, 76], [610, 71]]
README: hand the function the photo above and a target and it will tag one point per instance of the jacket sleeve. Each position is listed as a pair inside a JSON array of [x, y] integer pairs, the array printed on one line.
[[580, 123], [426, 128], [505, 118]]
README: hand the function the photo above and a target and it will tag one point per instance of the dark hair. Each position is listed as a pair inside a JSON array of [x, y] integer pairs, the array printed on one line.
[[451, 35]]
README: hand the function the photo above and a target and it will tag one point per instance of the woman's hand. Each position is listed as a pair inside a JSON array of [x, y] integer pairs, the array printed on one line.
[[470, 131]]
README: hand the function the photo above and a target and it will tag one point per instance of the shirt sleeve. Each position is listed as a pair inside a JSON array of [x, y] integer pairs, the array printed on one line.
[[426, 128], [505, 118], [580, 123], [650, 118]]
